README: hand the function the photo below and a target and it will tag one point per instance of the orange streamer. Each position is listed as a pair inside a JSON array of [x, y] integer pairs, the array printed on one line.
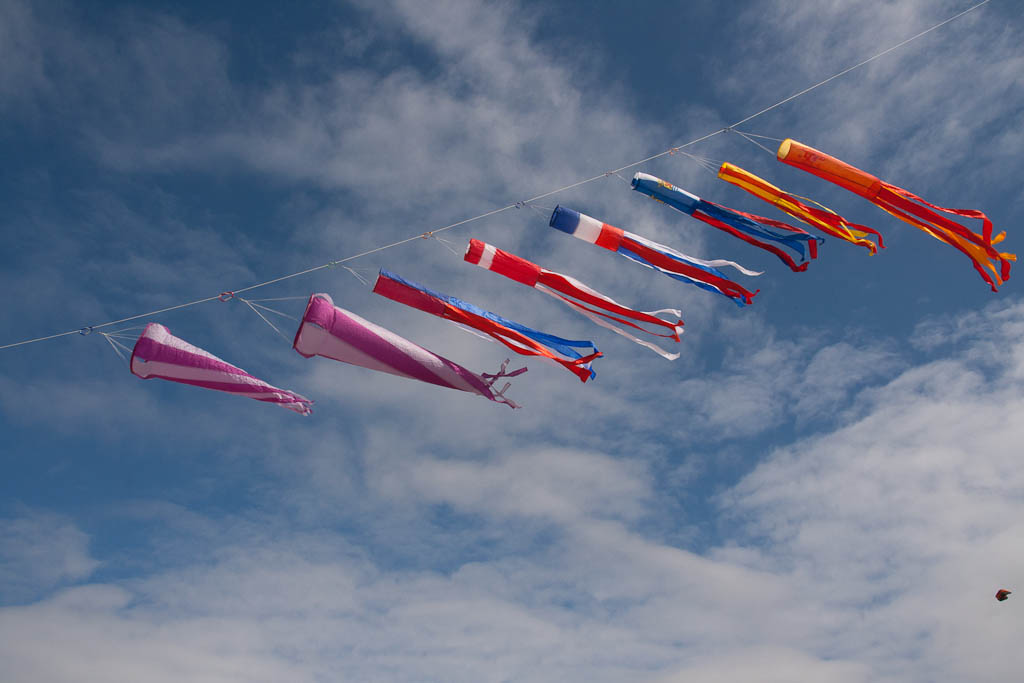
[[991, 264]]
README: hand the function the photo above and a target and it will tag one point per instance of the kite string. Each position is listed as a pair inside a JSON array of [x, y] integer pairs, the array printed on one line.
[[708, 165], [357, 276], [858, 65], [270, 310], [272, 325], [752, 140], [114, 344], [90, 328], [609, 174], [443, 242], [763, 137], [493, 212], [540, 210]]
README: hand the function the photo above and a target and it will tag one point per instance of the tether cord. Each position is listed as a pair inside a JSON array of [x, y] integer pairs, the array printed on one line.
[[671, 150]]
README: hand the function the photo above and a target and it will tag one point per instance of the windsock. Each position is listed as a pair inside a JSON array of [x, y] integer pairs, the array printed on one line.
[[578, 296], [675, 264], [765, 233], [519, 338], [160, 354], [822, 218], [332, 332], [992, 265]]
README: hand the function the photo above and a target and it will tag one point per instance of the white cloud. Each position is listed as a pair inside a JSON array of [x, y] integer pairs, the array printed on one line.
[[38, 552], [767, 664], [868, 552], [908, 116], [410, 534], [905, 520], [557, 486]]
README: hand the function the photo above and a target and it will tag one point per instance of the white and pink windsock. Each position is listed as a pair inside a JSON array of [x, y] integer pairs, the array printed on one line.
[[158, 353], [332, 332]]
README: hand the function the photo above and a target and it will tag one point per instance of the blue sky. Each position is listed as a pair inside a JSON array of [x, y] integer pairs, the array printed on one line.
[[823, 487]]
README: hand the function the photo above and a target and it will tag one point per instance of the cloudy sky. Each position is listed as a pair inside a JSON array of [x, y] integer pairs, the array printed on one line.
[[825, 486]]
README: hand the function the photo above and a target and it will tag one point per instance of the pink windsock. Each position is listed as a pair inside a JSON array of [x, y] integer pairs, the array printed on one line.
[[158, 353], [332, 332]]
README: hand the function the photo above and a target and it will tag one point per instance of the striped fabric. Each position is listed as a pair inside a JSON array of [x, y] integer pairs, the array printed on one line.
[[823, 218], [332, 332], [160, 354], [521, 339], [675, 264], [991, 264], [595, 306], [759, 231]]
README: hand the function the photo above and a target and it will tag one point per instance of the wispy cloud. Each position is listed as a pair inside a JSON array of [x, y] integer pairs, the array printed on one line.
[[408, 533], [39, 552], [869, 551]]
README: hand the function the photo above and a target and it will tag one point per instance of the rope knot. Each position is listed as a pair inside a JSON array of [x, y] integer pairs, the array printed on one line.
[[226, 296], [85, 330]]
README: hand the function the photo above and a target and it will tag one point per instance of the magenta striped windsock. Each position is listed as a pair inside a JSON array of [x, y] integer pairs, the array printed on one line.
[[332, 332], [158, 353]]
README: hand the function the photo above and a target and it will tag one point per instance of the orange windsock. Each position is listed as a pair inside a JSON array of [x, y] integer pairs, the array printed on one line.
[[992, 265]]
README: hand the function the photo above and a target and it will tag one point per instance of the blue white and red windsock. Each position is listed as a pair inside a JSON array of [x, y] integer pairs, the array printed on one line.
[[520, 338], [753, 229], [675, 264], [597, 307]]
